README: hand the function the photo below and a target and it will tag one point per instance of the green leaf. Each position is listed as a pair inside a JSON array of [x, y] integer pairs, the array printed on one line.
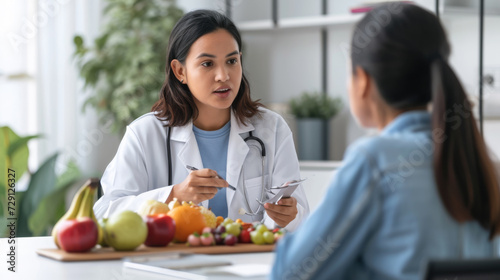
[[315, 105], [78, 40], [134, 37], [17, 161], [42, 182], [70, 175], [47, 213], [101, 41], [19, 143], [52, 206], [22, 224], [4, 232]]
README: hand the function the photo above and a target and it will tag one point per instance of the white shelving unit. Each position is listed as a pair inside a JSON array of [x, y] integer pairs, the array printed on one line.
[[468, 7], [255, 25], [301, 22], [315, 25]]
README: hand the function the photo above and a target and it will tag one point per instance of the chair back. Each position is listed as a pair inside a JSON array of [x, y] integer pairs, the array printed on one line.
[[478, 269]]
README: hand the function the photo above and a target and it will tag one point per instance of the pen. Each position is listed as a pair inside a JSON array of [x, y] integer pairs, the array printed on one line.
[[192, 168]]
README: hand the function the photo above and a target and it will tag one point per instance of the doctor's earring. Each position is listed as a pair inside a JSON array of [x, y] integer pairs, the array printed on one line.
[[182, 81]]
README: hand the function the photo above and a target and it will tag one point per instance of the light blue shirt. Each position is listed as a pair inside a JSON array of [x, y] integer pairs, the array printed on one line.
[[213, 150], [382, 217]]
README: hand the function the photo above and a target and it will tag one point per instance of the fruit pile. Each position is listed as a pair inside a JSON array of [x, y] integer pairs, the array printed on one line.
[[79, 231], [229, 233], [155, 224]]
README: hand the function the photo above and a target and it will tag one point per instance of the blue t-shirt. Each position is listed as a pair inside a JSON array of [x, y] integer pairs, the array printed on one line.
[[213, 151]]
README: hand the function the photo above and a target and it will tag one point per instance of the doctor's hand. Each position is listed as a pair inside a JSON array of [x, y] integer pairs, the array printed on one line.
[[198, 186], [284, 212]]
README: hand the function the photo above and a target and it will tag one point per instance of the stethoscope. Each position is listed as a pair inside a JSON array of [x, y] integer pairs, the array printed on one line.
[[242, 211]]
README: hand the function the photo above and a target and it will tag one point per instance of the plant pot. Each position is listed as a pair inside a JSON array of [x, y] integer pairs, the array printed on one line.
[[312, 138]]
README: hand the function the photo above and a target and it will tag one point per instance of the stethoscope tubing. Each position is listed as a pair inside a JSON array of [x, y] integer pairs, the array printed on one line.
[[169, 155]]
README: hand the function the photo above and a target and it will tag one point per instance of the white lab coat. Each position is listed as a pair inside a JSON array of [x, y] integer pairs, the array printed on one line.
[[139, 170]]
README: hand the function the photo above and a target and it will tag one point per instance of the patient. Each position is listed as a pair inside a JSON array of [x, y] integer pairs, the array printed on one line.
[[424, 188]]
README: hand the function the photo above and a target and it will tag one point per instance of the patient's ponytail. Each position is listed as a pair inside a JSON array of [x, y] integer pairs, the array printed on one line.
[[464, 173], [404, 49]]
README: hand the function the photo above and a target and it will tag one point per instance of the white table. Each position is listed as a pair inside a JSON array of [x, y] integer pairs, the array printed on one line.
[[319, 174], [29, 265]]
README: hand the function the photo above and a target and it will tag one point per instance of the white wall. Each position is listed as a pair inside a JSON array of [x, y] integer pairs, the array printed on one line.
[[283, 63], [463, 33], [189, 5]]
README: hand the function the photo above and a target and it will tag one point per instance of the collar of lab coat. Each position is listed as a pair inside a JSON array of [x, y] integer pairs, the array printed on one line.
[[236, 152], [183, 133]]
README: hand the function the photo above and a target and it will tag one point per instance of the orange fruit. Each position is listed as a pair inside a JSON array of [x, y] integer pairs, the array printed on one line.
[[239, 221], [219, 220], [188, 219], [246, 226]]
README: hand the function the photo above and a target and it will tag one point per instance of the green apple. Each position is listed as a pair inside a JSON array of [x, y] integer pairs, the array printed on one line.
[[125, 231], [268, 237], [257, 238], [227, 221], [234, 229], [261, 228]]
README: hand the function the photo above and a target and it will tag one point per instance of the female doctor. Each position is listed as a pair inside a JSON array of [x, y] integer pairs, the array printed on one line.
[[206, 119]]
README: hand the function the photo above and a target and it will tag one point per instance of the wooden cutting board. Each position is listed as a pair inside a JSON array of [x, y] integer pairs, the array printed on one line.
[[110, 254]]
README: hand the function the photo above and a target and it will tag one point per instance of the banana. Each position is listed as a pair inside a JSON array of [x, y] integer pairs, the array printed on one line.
[[86, 208], [87, 202], [100, 230], [71, 213], [96, 184], [77, 204], [101, 239]]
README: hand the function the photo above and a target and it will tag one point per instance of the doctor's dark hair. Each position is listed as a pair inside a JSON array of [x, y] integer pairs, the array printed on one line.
[[405, 50], [176, 103]]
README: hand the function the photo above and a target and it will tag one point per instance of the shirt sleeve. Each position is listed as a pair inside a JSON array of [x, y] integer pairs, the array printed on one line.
[[125, 180], [330, 242]]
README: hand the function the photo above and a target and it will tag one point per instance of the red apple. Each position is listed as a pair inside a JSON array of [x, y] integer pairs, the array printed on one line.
[[161, 230], [245, 237], [77, 235]]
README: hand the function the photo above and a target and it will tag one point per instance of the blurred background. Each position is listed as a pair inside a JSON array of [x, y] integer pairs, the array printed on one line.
[[76, 72]]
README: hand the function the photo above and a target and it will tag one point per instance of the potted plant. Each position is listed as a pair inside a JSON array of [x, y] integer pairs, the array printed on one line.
[[125, 65], [38, 207], [313, 111]]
